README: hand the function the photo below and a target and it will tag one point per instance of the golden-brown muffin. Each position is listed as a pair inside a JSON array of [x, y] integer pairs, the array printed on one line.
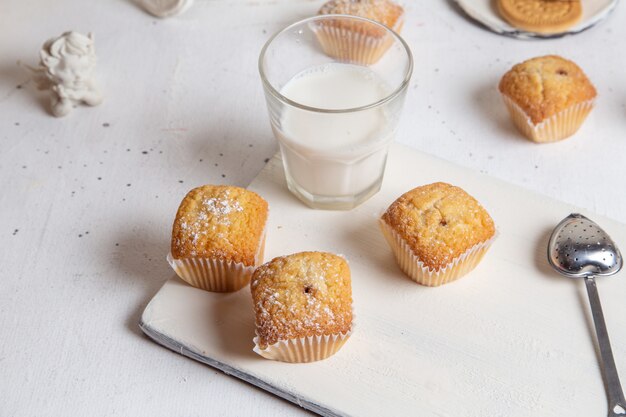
[[433, 228], [219, 221], [358, 41], [386, 12], [218, 237], [541, 16], [548, 87], [302, 296]]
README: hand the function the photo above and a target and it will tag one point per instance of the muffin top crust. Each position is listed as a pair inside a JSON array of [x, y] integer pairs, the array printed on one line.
[[546, 85], [439, 222], [383, 11], [301, 295], [219, 221]]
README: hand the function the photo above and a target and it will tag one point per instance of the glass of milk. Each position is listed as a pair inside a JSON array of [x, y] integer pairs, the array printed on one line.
[[334, 116]]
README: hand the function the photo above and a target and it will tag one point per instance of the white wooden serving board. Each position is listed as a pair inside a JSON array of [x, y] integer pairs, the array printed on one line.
[[485, 12], [510, 339]]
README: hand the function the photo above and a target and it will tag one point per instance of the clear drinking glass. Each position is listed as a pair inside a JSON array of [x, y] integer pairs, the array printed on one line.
[[335, 87]]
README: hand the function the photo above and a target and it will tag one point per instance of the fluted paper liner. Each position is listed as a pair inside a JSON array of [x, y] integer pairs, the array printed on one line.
[[304, 349], [353, 44], [418, 272], [559, 126], [216, 275]]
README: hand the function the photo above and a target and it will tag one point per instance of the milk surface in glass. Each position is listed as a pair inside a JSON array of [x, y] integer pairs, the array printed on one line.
[[335, 154]]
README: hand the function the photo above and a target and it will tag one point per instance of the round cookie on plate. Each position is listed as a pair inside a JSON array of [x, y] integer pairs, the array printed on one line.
[[541, 16], [303, 306], [548, 97], [359, 42], [437, 232], [218, 237]]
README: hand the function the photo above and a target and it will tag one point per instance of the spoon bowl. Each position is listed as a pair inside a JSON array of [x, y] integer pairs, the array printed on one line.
[[578, 248]]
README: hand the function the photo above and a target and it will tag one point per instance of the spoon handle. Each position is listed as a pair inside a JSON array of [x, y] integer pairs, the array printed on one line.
[[617, 405]]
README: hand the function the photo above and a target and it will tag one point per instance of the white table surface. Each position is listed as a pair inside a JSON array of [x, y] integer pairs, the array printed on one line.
[[88, 200]]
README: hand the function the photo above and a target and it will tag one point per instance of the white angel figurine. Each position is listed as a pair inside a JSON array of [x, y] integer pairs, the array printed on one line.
[[66, 67]]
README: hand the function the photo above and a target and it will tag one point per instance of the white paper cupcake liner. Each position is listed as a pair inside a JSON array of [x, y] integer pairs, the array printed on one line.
[[304, 349], [216, 275], [212, 274], [353, 45], [557, 127], [418, 272]]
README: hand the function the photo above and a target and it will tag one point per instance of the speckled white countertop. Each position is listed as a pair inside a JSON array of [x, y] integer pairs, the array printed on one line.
[[88, 200]]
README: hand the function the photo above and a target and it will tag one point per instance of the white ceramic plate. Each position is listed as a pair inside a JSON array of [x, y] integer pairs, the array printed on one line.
[[485, 12]]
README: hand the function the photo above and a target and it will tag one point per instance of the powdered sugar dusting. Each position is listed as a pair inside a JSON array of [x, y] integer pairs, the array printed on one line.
[[220, 208]]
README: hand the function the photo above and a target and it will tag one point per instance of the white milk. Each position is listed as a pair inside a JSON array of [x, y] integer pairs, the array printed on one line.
[[335, 154]]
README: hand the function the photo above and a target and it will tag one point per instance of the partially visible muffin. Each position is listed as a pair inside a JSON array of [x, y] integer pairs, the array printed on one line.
[[355, 41], [303, 306], [218, 237], [541, 16], [437, 232], [548, 97], [386, 12]]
